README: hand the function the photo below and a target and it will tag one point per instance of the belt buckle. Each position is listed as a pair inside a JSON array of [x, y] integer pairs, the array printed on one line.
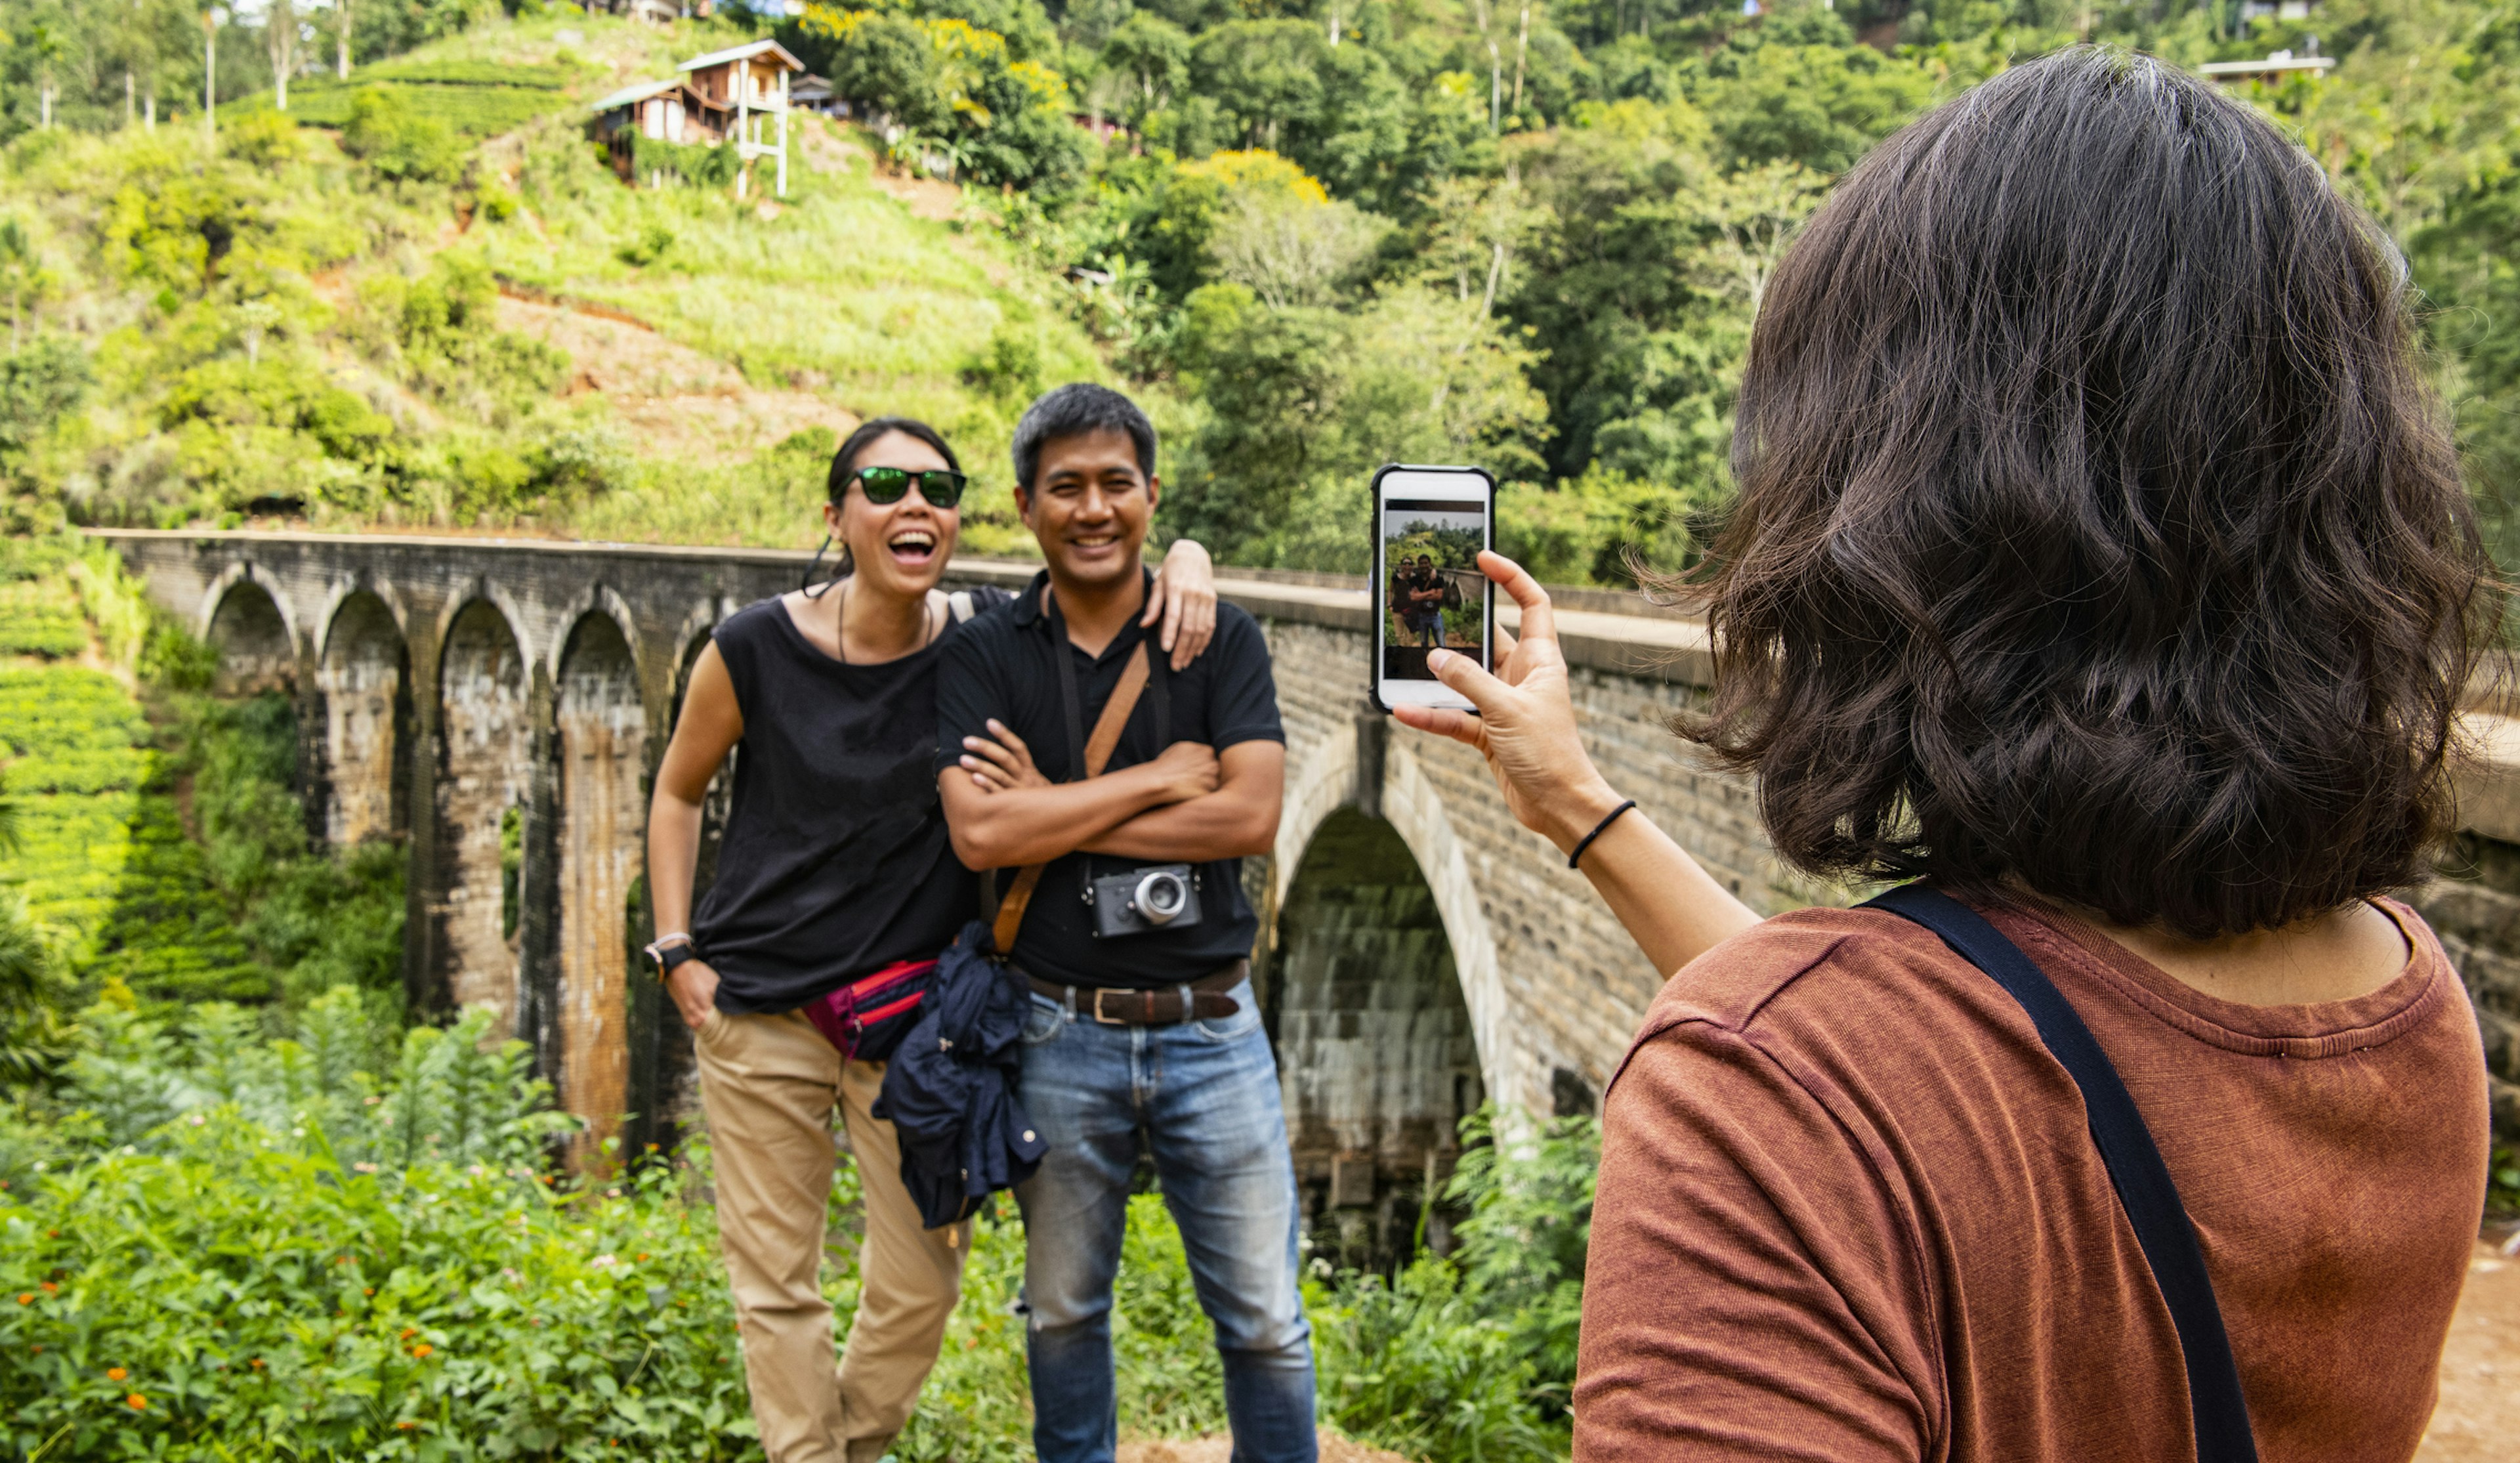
[[1108, 1021]]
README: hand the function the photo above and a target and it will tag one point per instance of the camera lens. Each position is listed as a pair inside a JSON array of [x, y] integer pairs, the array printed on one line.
[[1159, 897]]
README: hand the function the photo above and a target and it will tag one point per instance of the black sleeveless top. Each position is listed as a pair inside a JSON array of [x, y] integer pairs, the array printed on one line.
[[834, 861]]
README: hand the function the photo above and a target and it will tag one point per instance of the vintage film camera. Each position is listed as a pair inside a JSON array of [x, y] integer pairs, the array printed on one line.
[[1158, 896]]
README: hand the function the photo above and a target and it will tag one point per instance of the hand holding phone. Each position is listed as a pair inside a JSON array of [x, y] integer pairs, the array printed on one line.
[[1430, 527]]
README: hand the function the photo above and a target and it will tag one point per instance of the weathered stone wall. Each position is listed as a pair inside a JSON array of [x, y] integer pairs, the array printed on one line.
[[1373, 1036], [483, 769], [360, 685], [2475, 909], [602, 821]]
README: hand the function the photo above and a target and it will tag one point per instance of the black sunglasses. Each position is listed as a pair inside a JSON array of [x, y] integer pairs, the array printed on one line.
[[889, 485]]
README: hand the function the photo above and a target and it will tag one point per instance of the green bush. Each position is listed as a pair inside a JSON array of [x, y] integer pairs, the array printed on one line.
[[460, 110], [401, 142], [292, 1255], [695, 163]]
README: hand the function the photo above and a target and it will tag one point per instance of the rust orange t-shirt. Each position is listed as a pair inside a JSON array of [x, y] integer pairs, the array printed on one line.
[[1850, 1209]]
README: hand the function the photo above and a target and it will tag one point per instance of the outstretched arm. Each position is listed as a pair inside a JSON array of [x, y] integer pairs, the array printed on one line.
[[1672, 907]]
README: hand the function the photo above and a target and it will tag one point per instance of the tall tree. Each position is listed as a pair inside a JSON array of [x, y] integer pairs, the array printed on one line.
[[280, 37]]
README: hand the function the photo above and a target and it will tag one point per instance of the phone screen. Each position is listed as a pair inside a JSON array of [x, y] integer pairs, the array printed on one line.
[[1430, 524]]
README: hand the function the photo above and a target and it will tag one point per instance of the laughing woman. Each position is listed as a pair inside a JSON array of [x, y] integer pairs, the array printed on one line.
[[835, 878]]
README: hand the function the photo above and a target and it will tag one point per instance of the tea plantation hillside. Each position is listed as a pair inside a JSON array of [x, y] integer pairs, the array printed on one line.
[[421, 298]]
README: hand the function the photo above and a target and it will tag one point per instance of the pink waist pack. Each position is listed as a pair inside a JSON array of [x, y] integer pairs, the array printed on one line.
[[867, 1018]]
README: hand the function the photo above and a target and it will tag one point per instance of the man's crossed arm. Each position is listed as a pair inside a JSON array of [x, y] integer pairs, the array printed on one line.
[[1190, 804]]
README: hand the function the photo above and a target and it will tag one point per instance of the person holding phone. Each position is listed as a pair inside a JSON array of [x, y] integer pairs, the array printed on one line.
[[833, 868], [1137, 938], [2102, 563]]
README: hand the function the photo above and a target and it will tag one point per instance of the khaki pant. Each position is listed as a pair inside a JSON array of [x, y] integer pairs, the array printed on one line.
[[770, 1084]]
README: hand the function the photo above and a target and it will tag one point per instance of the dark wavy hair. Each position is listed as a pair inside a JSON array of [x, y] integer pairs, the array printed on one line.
[[2098, 533]]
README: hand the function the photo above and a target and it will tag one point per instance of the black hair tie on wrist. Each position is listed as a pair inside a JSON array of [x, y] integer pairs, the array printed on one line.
[[1576, 857]]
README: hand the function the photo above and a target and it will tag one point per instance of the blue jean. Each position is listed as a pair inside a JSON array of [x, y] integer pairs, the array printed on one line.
[[1205, 1094]]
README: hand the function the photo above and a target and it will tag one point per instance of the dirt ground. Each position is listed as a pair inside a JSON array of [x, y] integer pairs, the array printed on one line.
[[2477, 1421], [2478, 1418], [1334, 1449], [676, 402]]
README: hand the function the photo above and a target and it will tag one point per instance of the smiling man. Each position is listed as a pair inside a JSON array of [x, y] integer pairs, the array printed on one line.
[[1137, 940]]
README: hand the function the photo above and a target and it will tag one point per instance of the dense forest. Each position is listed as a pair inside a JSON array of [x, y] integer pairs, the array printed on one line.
[[1326, 234]]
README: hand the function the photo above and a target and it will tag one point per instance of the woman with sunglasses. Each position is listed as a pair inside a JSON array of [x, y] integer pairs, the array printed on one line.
[[835, 871]]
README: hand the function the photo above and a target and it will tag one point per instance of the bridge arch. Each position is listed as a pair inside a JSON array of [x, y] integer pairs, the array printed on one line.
[[363, 701], [601, 600], [252, 630], [482, 785], [1380, 1063]]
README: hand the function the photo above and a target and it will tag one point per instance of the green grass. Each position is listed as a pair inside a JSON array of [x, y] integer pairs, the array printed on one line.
[[103, 858], [34, 621], [471, 111], [841, 292]]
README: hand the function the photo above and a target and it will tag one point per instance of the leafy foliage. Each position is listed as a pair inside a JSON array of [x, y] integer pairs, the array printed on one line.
[[401, 141], [237, 907], [999, 115], [334, 1245]]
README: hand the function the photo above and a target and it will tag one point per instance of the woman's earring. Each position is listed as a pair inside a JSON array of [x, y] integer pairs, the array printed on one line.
[[805, 585]]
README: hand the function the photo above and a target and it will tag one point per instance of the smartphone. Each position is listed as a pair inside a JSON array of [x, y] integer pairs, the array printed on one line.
[[1430, 524]]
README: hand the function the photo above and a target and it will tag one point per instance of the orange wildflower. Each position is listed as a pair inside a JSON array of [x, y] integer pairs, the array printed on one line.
[[422, 1349], [135, 1402], [116, 1374], [51, 1288], [26, 1298]]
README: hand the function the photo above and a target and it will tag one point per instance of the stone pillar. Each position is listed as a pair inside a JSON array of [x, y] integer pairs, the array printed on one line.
[[601, 741], [482, 761]]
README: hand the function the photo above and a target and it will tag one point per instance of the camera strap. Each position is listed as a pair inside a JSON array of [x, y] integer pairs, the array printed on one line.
[[2144, 1187], [1088, 761]]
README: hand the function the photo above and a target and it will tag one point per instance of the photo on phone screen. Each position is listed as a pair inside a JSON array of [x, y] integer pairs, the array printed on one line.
[[1429, 526]]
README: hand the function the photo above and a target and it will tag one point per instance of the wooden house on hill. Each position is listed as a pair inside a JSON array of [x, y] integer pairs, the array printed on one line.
[[735, 97]]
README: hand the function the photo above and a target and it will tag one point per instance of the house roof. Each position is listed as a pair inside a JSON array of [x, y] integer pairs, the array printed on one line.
[[743, 53], [638, 91]]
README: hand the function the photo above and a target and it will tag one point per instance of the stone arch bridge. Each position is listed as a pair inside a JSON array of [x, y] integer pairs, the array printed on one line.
[[500, 706]]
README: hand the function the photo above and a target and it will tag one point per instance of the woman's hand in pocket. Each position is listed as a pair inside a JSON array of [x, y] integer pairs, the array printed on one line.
[[1000, 760], [694, 988]]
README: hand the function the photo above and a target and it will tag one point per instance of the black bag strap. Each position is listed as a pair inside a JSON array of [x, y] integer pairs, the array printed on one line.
[[1072, 700], [2143, 1183]]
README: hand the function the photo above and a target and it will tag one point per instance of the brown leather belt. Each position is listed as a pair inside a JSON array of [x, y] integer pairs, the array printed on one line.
[[1127, 1006]]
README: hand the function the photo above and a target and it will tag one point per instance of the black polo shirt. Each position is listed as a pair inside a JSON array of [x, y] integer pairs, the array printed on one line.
[[1000, 665]]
